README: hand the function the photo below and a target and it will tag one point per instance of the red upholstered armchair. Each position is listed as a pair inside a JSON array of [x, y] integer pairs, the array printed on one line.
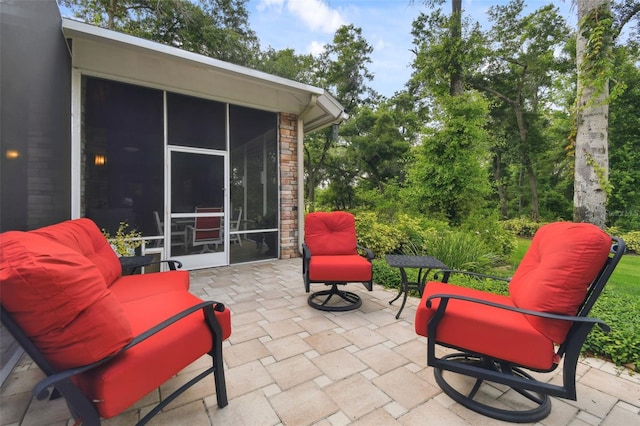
[[331, 256], [103, 340], [541, 323]]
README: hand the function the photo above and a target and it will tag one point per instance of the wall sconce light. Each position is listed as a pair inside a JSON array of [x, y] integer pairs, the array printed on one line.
[[99, 160], [12, 154]]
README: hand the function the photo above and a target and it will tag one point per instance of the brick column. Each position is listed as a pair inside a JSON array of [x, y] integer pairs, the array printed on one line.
[[288, 146]]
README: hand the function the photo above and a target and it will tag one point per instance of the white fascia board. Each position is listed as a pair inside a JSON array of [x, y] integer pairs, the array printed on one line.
[[73, 28]]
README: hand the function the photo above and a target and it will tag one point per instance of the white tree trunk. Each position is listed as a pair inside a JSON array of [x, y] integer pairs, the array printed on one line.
[[591, 150]]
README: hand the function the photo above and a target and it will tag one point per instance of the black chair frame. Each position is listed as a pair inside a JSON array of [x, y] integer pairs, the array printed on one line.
[[320, 299], [485, 368], [82, 408]]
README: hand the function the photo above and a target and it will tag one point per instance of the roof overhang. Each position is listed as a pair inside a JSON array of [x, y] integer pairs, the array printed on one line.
[[111, 54]]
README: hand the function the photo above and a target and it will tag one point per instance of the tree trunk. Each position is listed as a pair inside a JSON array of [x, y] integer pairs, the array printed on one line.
[[591, 146], [526, 161], [455, 80], [502, 193]]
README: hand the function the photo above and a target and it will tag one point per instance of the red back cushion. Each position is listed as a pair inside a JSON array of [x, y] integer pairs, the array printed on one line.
[[563, 259], [330, 233], [83, 236], [60, 300]]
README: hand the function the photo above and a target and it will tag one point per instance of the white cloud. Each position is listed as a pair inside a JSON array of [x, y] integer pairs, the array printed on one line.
[[315, 48], [270, 5], [316, 14]]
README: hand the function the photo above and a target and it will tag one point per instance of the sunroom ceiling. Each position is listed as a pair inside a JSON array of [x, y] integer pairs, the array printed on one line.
[[110, 54]]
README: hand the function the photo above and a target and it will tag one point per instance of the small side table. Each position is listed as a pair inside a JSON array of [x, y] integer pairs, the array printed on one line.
[[407, 261]]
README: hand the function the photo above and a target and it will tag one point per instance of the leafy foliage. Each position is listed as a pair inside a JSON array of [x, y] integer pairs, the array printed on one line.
[[632, 240], [448, 178], [521, 226], [216, 28], [622, 343], [124, 242]]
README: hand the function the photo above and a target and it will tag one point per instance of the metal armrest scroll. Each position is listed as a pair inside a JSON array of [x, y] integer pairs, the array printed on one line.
[[368, 252]]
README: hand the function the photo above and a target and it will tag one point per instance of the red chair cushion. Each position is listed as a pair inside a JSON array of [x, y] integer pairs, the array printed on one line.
[[84, 236], [132, 287], [483, 329], [348, 268], [563, 259], [120, 383], [330, 233], [60, 300]]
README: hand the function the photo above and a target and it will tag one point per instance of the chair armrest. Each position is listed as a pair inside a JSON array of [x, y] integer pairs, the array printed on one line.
[[446, 297], [40, 390], [306, 252], [367, 251], [447, 272]]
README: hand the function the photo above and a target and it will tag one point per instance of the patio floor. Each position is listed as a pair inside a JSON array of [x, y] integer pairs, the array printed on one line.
[[288, 364]]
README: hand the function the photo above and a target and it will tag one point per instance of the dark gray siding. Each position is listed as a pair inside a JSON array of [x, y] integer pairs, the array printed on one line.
[[35, 111]]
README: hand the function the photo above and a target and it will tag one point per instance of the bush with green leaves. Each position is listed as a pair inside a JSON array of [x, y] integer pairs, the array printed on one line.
[[498, 239], [385, 275], [460, 250], [632, 240], [393, 235], [379, 237], [521, 226], [622, 343]]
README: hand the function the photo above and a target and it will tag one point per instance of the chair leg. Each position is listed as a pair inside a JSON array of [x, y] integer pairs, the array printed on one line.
[[540, 403]]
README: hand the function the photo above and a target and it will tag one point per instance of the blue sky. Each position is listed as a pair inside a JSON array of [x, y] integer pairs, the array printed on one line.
[[307, 25]]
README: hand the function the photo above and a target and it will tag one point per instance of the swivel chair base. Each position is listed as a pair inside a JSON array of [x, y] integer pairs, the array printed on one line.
[[343, 301], [539, 404]]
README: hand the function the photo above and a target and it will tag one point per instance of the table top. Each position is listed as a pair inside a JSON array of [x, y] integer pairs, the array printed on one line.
[[411, 261]]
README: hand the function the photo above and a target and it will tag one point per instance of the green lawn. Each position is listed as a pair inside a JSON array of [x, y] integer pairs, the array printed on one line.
[[625, 279]]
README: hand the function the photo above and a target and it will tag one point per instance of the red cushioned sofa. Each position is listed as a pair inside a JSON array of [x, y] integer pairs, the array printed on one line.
[[104, 340]]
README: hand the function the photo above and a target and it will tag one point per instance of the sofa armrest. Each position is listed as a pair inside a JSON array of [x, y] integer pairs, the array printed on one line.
[[132, 263], [41, 392]]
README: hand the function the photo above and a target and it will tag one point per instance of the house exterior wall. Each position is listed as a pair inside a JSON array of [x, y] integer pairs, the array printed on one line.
[[288, 186], [35, 105], [35, 108]]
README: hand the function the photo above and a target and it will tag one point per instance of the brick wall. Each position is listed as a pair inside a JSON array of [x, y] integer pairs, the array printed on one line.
[[288, 185]]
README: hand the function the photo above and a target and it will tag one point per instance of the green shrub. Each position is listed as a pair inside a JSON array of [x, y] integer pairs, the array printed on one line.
[[385, 275], [521, 226], [460, 250], [393, 235], [622, 343], [632, 239], [379, 237], [499, 240]]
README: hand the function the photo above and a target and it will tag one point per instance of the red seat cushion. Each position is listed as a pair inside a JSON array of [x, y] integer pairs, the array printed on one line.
[[562, 261], [84, 236], [132, 287], [60, 300], [120, 383], [330, 233], [347, 268], [483, 329]]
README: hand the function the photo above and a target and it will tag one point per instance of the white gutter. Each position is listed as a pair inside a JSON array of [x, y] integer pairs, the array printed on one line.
[[300, 135]]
